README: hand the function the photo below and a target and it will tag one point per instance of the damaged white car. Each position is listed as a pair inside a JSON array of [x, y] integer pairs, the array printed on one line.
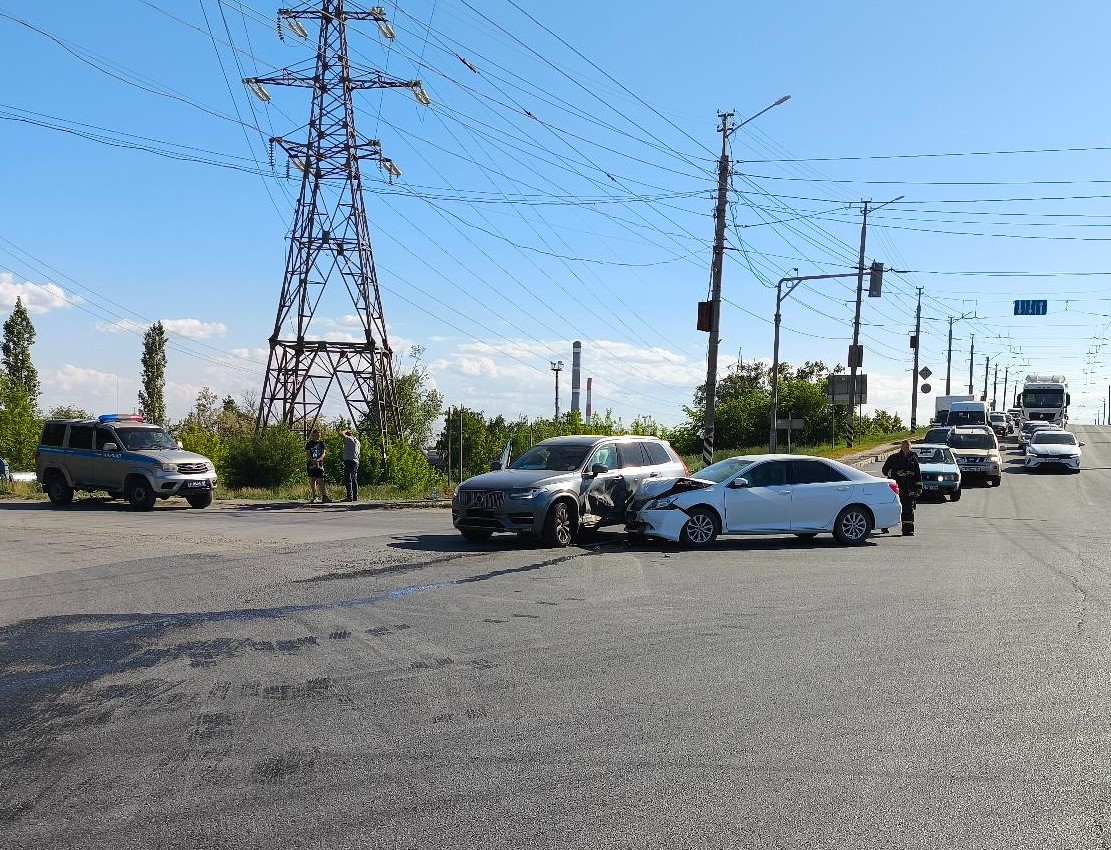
[[765, 494]]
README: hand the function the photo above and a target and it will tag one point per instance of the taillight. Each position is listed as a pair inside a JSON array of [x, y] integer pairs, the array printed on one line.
[[894, 485]]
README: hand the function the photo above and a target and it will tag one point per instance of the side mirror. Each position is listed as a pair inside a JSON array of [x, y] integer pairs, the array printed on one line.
[[598, 469], [110, 447], [495, 465], [738, 483], [1080, 444], [180, 445]]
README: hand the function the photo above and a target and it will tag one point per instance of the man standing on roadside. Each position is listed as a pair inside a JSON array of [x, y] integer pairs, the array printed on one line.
[[352, 449], [904, 468], [315, 450]]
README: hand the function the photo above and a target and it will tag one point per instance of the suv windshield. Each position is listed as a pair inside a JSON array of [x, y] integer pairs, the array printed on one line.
[[555, 458], [1053, 438], [971, 441], [145, 439], [934, 455]]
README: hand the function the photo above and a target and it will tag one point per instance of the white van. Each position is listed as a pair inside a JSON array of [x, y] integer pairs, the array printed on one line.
[[968, 413]]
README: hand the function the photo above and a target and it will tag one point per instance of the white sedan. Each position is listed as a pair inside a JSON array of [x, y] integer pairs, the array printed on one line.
[[765, 494], [1052, 447]]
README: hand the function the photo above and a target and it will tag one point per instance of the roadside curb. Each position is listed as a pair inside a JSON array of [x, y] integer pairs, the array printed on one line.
[[334, 505]]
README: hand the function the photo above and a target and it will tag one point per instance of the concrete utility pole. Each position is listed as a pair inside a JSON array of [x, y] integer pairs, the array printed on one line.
[[971, 364], [715, 277], [856, 358], [715, 293], [914, 377], [987, 368], [1006, 375], [949, 350], [557, 367], [995, 387]]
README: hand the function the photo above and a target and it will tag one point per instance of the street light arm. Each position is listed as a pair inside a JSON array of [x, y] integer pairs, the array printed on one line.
[[736, 127]]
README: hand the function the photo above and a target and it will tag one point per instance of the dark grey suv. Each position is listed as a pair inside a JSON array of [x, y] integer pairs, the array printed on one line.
[[562, 487]]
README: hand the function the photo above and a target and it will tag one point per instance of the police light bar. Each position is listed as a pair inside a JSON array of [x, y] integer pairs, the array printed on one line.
[[119, 417]]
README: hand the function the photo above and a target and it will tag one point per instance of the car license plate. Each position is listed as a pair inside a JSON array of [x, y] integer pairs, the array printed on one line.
[[197, 485], [930, 486]]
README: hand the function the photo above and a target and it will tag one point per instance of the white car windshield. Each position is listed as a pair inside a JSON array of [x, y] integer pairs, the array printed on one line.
[[145, 439], [1054, 438], [555, 458], [723, 469]]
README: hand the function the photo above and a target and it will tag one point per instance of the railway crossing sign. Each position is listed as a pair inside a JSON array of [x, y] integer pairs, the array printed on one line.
[[1031, 308]]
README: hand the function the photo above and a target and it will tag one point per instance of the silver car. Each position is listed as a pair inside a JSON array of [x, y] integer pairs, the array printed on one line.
[[562, 488]]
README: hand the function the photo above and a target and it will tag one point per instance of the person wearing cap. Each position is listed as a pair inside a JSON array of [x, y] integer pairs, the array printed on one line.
[[315, 450], [904, 468], [352, 449]]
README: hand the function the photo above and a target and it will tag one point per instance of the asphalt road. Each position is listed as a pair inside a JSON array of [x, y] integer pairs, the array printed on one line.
[[320, 677]]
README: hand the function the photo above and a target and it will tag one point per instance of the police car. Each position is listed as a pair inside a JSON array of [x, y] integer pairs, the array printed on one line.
[[123, 455]]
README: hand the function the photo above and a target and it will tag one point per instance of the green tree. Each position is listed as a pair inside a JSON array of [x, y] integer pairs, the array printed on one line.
[[418, 405], [152, 399], [68, 411], [19, 424], [19, 336]]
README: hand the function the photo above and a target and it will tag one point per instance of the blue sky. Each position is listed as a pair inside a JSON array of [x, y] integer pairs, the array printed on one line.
[[508, 236]]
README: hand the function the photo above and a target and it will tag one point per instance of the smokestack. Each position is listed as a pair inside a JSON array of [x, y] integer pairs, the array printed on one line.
[[576, 366], [588, 381]]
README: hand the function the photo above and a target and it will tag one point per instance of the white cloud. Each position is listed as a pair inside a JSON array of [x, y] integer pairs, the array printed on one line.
[[195, 328], [38, 298], [122, 326], [70, 378]]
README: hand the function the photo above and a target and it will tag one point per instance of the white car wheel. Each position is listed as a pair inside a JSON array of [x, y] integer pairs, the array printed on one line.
[[701, 529]]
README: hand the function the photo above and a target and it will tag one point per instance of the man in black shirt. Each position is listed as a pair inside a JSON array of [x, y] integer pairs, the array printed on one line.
[[903, 467], [315, 450]]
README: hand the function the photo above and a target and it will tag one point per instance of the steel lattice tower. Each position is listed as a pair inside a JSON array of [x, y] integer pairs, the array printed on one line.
[[330, 241]]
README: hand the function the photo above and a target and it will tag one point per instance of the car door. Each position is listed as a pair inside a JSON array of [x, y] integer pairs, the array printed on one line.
[[79, 454], [636, 466], [602, 492], [818, 492], [763, 505], [106, 468]]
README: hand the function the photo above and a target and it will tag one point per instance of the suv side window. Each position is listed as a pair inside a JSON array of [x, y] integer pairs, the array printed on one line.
[[815, 472], [657, 453], [80, 436], [632, 454], [605, 455], [103, 435], [53, 433]]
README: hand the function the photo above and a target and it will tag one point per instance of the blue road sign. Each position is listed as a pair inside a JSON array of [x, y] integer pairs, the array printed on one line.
[[1031, 308]]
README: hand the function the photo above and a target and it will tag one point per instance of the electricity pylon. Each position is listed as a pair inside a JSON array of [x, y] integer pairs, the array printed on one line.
[[330, 240]]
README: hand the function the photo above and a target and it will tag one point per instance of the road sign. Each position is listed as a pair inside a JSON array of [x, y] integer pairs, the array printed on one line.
[[856, 356], [1031, 308], [837, 389], [925, 372], [926, 388], [790, 424]]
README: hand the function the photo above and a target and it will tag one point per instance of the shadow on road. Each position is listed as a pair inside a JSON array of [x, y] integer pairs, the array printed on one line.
[[89, 505]]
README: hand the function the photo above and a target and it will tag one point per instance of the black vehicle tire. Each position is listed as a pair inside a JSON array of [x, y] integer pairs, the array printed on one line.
[[955, 496], [701, 528], [997, 481], [58, 491], [140, 495], [559, 525], [853, 525], [476, 535], [199, 500], [806, 535]]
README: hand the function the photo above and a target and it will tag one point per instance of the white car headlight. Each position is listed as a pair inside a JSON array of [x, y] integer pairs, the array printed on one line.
[[660, 504]]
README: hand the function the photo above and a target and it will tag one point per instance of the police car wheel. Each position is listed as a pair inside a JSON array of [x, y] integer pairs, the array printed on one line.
[[58, 491], [199, 500], [140, 495]]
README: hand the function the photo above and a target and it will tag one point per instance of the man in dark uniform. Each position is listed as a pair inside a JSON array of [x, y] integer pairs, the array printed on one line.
[[903, 467]]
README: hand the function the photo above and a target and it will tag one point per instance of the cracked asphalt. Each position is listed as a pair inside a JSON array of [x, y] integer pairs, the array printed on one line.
[[253, 676]]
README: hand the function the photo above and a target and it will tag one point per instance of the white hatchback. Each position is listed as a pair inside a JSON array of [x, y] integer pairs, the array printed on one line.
[[765, 494]]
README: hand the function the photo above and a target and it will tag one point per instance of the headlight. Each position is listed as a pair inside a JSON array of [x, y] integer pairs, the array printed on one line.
[[168, 467], [525, 492], [660, 504]]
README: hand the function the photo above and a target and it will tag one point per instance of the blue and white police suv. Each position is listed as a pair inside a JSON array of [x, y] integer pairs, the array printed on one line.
[[122, 455]]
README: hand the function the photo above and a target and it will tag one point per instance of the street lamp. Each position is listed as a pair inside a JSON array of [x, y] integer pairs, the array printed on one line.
[[714, 304]]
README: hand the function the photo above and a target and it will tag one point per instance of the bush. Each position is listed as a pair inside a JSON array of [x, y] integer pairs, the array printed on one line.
[[409, 469], [272, 459], [194, 438]]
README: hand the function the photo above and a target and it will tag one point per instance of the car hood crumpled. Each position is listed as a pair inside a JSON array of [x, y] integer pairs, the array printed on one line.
[[655, 488]]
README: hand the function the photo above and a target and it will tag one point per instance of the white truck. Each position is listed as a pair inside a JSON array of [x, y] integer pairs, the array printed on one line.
[[942, 402], [1045, 398]]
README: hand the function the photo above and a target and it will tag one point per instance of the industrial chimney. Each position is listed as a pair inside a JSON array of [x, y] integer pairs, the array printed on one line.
[[576, 367], [588, 382]]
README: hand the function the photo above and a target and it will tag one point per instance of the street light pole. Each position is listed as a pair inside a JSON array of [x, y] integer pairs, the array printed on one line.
[[914, 369], [557, 367], [949, 351], [715, 278], [971, 364]]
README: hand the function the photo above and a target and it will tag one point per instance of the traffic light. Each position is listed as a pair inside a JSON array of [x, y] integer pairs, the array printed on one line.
[[875, 280], [706, 315], [856, 356], [914, 342]]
